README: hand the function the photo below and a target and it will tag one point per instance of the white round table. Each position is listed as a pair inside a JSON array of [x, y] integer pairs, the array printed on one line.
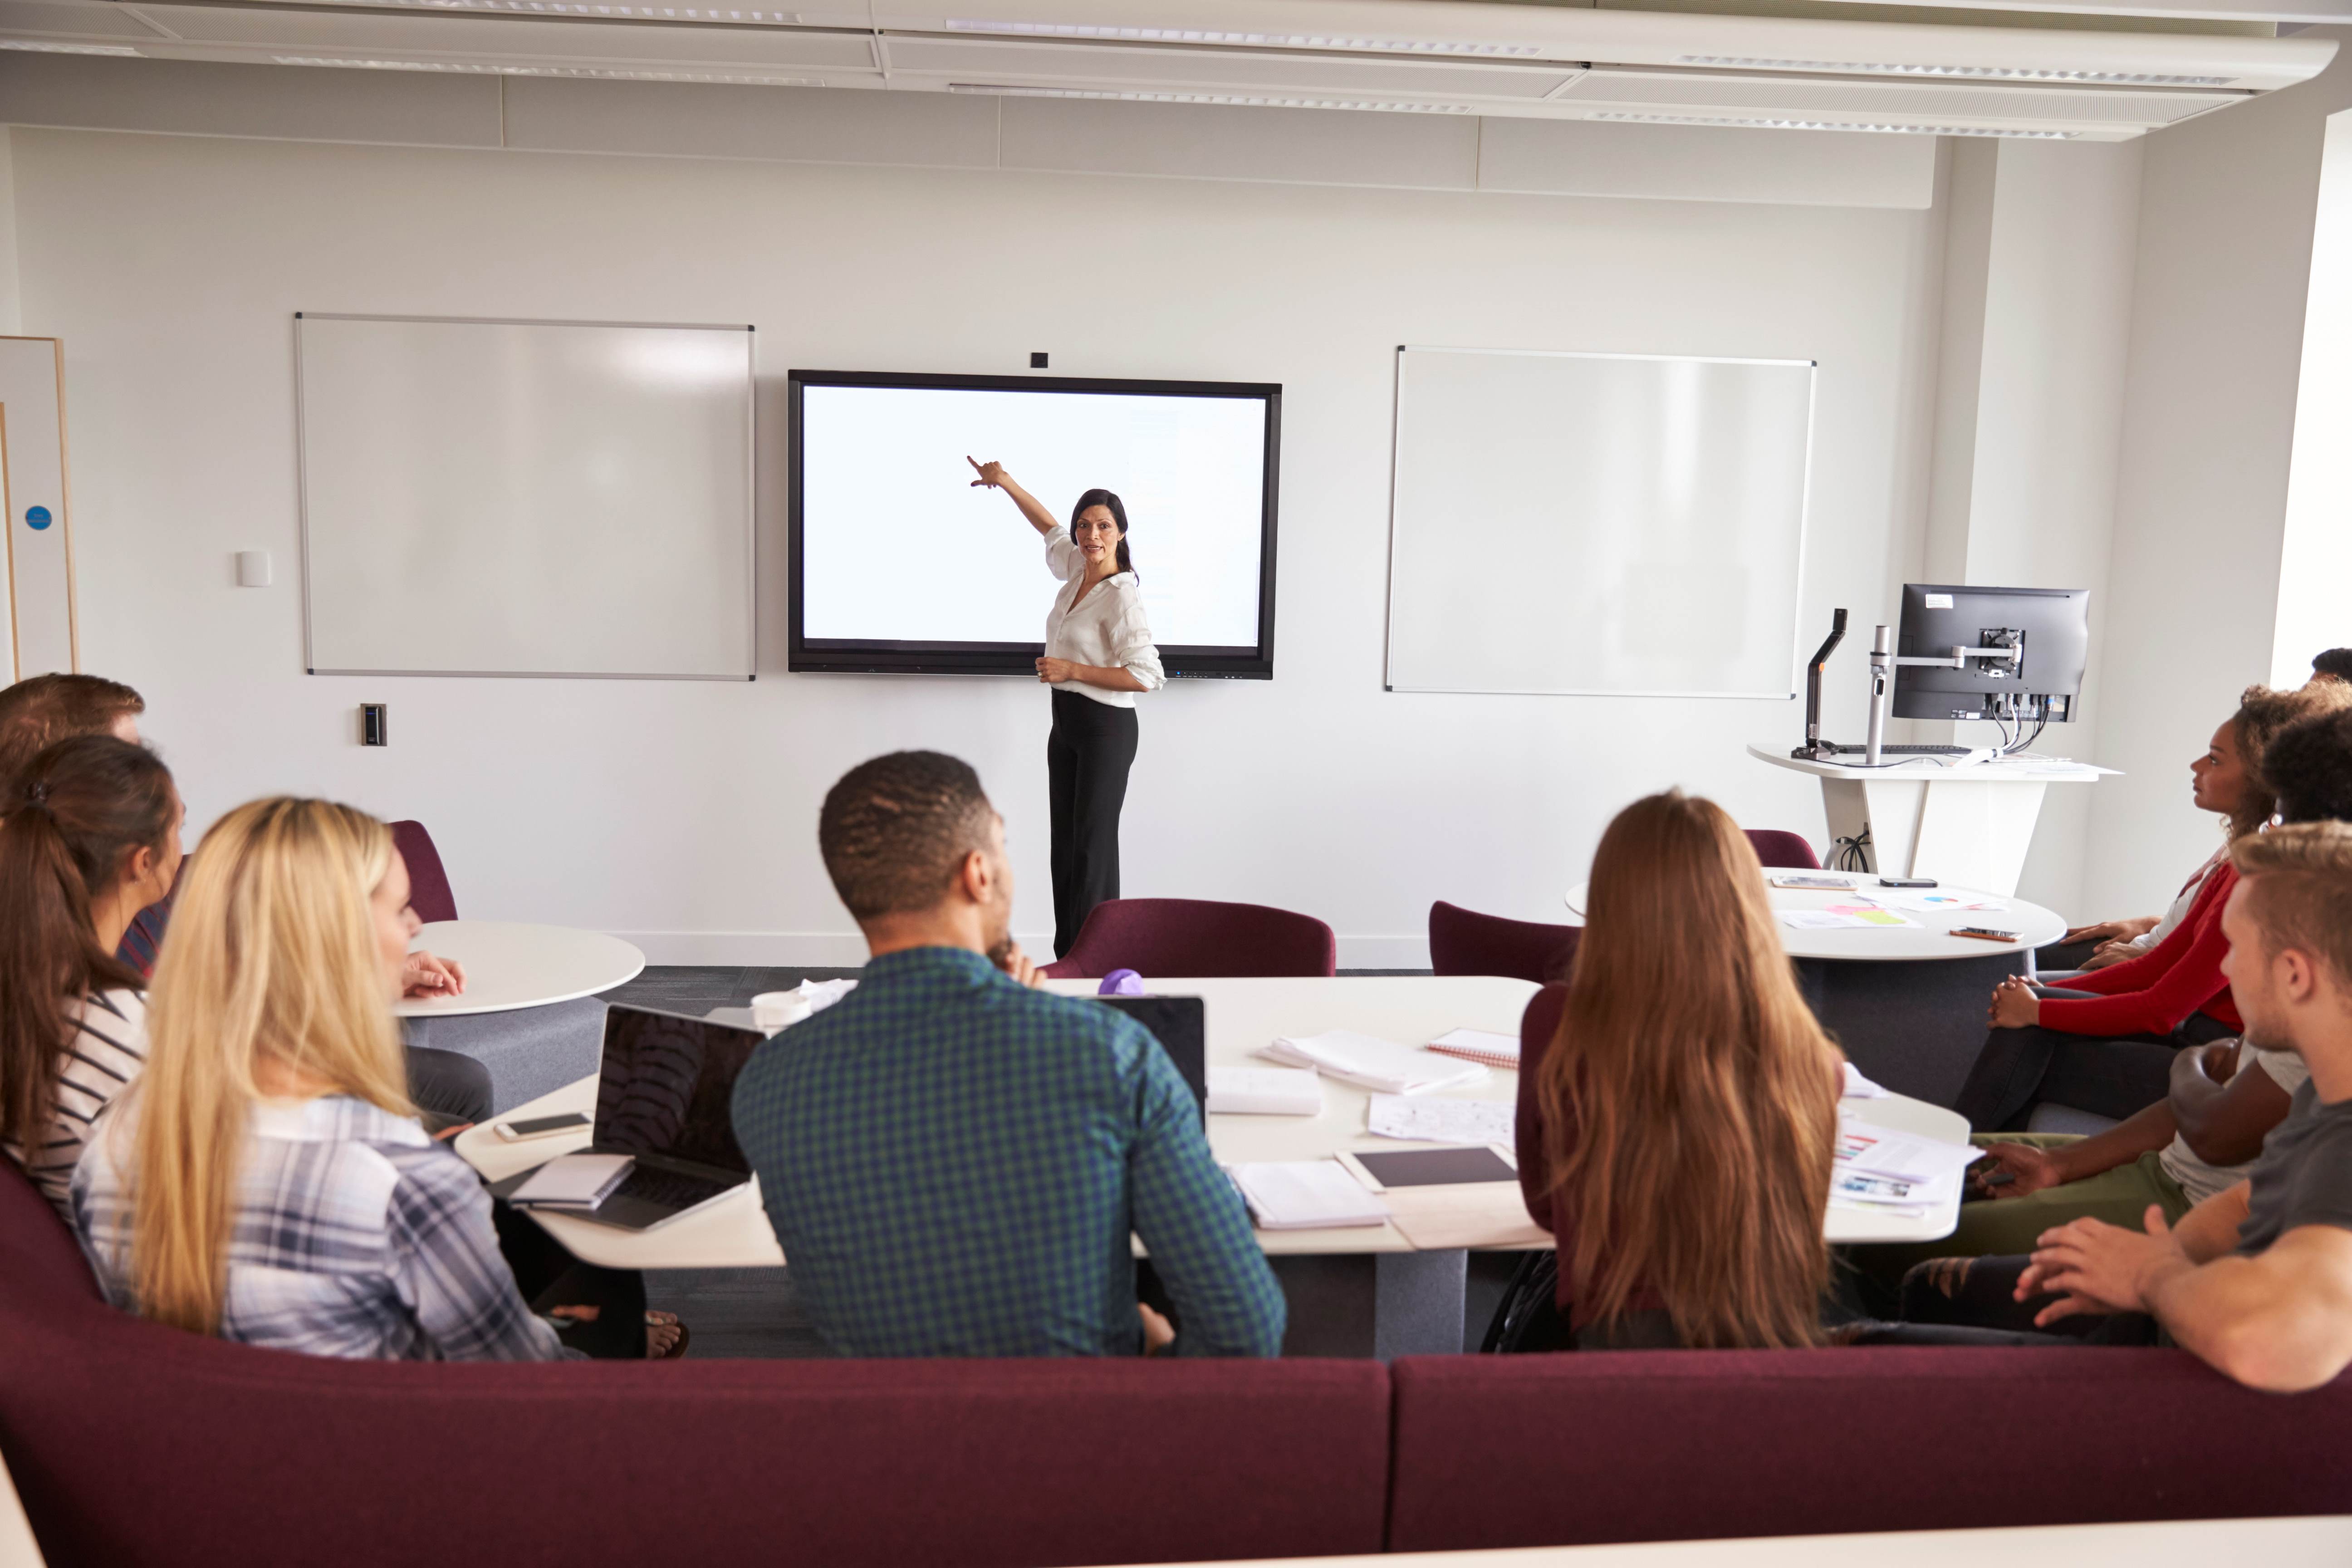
[[510, 965], [1930, 939]]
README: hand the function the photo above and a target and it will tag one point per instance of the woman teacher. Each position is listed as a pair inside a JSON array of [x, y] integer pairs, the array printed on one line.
[[1099, 654]]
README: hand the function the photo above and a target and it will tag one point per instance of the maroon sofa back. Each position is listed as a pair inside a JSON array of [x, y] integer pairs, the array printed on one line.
[[130, 1443], [1494, 1451]]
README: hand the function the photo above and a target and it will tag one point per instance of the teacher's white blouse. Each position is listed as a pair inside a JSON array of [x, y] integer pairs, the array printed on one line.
[[1109, 630]]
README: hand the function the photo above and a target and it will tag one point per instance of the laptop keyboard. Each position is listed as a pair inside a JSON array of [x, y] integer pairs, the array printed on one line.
[[669, 1187]]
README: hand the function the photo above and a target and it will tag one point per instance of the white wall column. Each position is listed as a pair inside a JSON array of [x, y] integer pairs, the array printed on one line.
[[2227, 205], [2040, 241]]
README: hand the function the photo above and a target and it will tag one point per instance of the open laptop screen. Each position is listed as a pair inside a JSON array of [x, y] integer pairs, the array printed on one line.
[[1181, 1025], [667, 1087]]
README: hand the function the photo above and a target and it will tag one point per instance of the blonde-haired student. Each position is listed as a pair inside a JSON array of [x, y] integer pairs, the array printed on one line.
[[266, 1180]]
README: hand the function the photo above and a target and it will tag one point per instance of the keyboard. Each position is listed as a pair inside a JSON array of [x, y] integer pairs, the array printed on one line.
[[1903, 750], [669, 1187]]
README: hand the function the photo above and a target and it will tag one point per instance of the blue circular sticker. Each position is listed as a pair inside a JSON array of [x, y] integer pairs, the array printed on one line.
[[38, 516]]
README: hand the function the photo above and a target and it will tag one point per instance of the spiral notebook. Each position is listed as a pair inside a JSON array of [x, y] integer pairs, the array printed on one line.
[[1480, 1045]]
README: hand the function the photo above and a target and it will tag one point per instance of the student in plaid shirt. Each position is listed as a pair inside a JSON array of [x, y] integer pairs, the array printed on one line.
[[300, 1205], [953, 1161]]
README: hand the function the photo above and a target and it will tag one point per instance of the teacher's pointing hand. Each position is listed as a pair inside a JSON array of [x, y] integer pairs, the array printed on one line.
[[991, 473]]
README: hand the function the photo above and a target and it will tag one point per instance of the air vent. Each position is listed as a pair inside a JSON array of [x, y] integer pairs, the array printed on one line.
[[1963, 73], [474, 68], [1760, 123], [1251, 40], [1231, 99], [31, 47], [584, 8]]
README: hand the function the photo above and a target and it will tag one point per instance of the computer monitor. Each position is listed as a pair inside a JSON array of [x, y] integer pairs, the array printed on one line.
[[2049, 628]]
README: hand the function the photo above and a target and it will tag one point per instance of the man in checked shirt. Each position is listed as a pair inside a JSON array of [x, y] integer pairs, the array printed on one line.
[[953, 1161]]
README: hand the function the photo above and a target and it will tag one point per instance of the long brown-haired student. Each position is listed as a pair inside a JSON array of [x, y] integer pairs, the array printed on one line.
[[1677, 1134], [90, 837]]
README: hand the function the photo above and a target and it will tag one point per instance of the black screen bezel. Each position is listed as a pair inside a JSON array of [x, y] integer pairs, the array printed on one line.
[[805, 655]]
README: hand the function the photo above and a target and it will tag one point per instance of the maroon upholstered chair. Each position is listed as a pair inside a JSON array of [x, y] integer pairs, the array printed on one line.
[[428, 884], [1197, 939], [1463, 942], [37, 1248], [797, 1464], [1595, 1446], [1778, 847]]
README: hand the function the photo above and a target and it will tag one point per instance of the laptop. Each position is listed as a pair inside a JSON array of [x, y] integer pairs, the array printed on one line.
[[664, 1095], [1181, 1025]]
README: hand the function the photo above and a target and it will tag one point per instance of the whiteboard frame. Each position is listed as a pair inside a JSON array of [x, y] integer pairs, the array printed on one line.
[[1804, 524], [750, 492]]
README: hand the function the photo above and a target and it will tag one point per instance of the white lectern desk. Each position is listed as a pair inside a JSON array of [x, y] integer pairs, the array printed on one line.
[[1925, 816]]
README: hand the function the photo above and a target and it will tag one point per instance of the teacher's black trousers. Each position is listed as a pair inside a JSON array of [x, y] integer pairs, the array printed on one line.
[[1086, 760]]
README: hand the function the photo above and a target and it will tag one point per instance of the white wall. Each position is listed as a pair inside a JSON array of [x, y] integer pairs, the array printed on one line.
[[2227, 205], [683, 814], [2316, 544]]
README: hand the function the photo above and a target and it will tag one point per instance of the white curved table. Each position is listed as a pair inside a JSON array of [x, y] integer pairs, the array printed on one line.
[[1243, 1015], [510, 965], [1930, 940]]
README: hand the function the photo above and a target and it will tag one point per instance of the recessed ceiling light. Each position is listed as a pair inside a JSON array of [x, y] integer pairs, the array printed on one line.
[[34, 46], [1972, 73], [1254, 40], [1761, 123], [1245, 99], [472, 68]]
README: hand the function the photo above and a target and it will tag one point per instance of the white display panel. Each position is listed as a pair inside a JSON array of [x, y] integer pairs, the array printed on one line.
[[527, 497], [896, 547], [1597, 523]]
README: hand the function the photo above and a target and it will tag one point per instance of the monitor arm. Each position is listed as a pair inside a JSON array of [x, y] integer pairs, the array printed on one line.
[[1812, 746]]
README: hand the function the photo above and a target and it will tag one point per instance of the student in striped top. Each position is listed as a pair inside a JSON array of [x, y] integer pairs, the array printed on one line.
[[91, 837]]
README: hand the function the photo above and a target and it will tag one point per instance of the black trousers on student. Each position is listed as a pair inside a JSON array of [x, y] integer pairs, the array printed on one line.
[[1086, 760], [2021, 1068], [450, 1089], [548, 1276]]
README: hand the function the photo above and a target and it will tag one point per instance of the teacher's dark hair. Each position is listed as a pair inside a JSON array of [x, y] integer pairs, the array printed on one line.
[[895, 831], [1109, 501]]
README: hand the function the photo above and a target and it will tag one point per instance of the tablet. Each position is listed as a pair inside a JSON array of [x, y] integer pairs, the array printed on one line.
[[1382, 1169]]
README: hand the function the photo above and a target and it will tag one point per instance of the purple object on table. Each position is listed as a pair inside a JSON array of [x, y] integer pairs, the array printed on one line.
[[1121, 983]]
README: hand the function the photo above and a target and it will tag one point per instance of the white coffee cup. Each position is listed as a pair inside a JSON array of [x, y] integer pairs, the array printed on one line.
[[778, 1009]]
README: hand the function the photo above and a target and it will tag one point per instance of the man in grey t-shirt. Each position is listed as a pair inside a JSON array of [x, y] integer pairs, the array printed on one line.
[[2258, 1279]]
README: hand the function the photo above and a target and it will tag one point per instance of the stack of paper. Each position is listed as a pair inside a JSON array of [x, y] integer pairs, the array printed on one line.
[[1843, 917], [1265, 1091], [1886, 1171], [1860, 1088], [1442, 1120], [1383, 1066], [1306, 1194], [573, 1182]]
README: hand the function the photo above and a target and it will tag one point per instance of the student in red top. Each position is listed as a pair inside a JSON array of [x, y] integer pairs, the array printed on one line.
[[2105, 1043], [1675, 1132]]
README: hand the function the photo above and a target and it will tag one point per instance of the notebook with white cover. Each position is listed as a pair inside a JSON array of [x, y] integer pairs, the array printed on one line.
[[1383, 1066], [1265, 1091], [1306, 1194]]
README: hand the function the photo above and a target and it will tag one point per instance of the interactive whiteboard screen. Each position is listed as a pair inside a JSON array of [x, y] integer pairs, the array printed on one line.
[[899, 564], [526, 497], [1609, 524]]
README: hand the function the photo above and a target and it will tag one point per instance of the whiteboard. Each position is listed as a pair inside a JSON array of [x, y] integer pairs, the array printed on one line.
[[1598, 525], [526, 497]]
